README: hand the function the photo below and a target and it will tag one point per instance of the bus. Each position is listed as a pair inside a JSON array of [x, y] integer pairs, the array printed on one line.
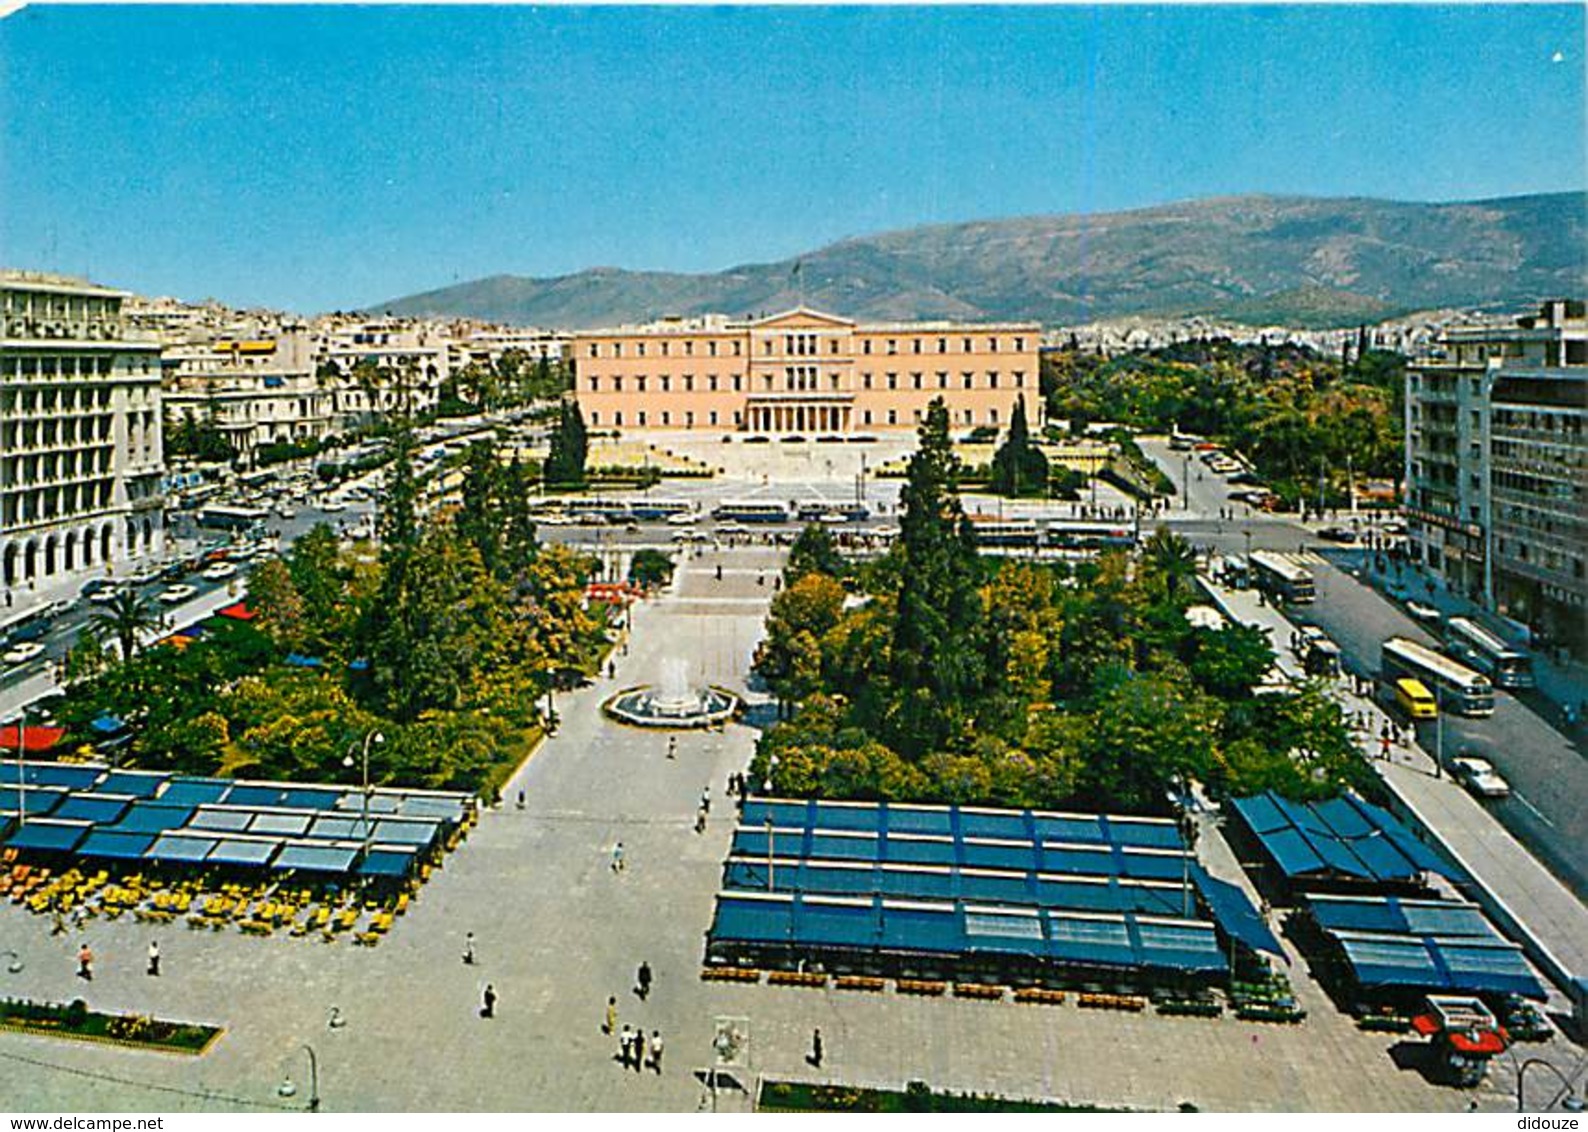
[[1414, 698], [1010, 532], [815, 511], [1466, 640], [1456, 686], [1065, 534], [654, 509], [1280, 578], [592, 507], [750, 511], [223, 517], [29, 625]]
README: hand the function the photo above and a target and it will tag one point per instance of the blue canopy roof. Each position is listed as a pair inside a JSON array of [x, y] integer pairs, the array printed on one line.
[[238, 851], [48, 834], [152, 817], [73, 776], [1342, 837], [180, 847], [388, 861], [209, 817], [115, 846], [1392, 915], [138, 783], [1426, 963], [32, 800], [1235, 914], [187, 791], [101, 808], [322, 857], [288, 824]]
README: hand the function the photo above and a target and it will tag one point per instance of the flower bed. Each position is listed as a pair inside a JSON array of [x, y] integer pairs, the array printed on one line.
[[801, 1096], [74, 1020]]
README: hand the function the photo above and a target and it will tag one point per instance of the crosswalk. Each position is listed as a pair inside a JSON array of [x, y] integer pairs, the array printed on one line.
[[1307, 558]]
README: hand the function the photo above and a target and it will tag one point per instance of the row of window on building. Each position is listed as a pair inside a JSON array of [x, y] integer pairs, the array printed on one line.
[[804, 378], [802, 345], [688, 419], [54, 366]]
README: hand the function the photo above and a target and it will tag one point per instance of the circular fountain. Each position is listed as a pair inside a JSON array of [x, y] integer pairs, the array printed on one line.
[[672, 702]]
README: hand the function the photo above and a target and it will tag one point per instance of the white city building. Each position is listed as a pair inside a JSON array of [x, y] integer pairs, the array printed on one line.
[[80, 436]]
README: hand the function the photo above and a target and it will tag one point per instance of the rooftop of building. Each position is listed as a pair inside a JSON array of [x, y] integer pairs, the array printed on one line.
[[15, 279]]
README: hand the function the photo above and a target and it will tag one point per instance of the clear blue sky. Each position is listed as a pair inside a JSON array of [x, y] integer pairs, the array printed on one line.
[[313, 158]]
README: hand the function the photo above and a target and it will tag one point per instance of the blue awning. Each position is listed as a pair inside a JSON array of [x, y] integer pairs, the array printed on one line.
[[317, 858], [138, 783], [1235, 915], [102, 809], [48, 834], [187, 791], [388, 861], [236, 851], [115, 846], [152, 817], [180, 847], [32, 800], [1392, 915], [1342, 837]]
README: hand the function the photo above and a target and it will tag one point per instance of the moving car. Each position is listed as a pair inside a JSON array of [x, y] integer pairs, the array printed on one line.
[[1337, 534], [177, 594], [1480, 777], [1414, 698], [26, 651], [105, 594], [219, 571]]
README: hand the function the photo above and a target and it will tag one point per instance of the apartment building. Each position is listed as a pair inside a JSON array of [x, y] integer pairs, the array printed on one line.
[[258, 390], [803, 372], [1497, 468], [373, 366], [80, 433]]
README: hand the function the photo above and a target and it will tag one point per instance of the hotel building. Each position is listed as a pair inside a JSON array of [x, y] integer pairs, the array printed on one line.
[[80, 439], [1497, 468], [803, 372]]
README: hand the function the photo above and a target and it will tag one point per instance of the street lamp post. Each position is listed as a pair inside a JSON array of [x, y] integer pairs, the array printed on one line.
[[15, 965], [288, 1089], [1571, 1102], [372, 737]]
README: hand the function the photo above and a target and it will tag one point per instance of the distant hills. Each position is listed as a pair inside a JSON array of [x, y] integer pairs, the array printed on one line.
[[1300, 261]]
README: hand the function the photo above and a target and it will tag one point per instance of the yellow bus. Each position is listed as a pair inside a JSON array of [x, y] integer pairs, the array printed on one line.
[[1415, 699]]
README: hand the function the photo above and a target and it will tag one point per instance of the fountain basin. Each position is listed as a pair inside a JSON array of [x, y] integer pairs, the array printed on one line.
[[646, 705]]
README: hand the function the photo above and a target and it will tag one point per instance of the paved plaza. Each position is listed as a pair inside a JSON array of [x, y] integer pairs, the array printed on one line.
[[557, 932]]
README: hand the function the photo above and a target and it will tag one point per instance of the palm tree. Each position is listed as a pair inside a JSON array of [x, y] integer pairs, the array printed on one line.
[[126, 616], [1172, 557]]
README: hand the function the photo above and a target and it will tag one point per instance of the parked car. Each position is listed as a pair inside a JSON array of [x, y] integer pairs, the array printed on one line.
[[177, 594], [1479, 776], [219, 571], [105, 594], [26, 651], [1337, 534]]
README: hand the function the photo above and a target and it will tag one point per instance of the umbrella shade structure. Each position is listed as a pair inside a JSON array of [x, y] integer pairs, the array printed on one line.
[[1429, 964], [1342, 838], [50, 835]]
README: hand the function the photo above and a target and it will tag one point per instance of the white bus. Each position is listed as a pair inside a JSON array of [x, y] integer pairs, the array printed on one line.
[[1280, 578], [1456, 687], [1090, 534], [1467, 640], [751, 511], [220, 516], [651, 510], [1010, 532]]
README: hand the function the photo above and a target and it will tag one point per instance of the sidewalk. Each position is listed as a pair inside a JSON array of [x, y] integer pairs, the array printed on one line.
[[1527, 901]]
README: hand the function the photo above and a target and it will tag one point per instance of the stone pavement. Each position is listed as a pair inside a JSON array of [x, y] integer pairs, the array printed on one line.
[[557, 932]]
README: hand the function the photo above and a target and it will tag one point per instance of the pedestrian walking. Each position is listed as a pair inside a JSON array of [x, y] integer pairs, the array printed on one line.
[[700, 821], [85, 963], [815, 1057], [656, 1052], [672, 746], [154, 958], [637, 1058], [625, 1040], [521, 799], [617, 857], [705, 798], [612, 670], [468, 949], [488, 1002], [642, 981], [610, 1023]]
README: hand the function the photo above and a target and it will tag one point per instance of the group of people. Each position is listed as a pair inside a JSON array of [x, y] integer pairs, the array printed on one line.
[[85, 961], [634, 1051]]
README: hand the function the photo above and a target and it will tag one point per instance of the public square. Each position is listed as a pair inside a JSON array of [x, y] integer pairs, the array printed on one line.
[[558, 931]]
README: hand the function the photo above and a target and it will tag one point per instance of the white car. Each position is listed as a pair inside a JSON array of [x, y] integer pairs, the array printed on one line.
[[1480, 777], [23, 652], [331, 506], [1424, 613], [286, 512], [682, 519], [177, 594], [219, 571], [104, 596]]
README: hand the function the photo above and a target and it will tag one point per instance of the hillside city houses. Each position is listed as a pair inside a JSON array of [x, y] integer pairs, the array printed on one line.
[[93, 379]]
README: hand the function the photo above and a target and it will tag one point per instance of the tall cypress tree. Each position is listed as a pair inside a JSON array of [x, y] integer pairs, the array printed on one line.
[[570, 447], [1018, 467], [936, 660]]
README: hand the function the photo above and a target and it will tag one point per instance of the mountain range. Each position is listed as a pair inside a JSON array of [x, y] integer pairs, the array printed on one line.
[[1301, 261]]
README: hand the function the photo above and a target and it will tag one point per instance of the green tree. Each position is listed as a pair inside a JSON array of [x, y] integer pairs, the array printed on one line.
[[1018, 467], [936, 657], [480, 518], [275, 600], [789, 656], [650, 568], [127, 616], [1170, 558], [565, 463], [813, 552], [1229, 661]]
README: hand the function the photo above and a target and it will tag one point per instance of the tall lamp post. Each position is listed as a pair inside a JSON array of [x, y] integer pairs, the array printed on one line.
[[372, 737], [288, 1089], [1571, 1102]]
